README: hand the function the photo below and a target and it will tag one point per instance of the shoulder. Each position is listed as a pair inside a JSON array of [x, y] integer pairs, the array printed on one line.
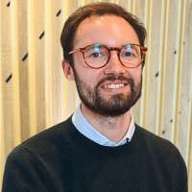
[[53, 139], [159, 148], [154, 141], [45, 155], [163, 154]]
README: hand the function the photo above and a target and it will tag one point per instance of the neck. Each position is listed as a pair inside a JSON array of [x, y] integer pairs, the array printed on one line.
[[113, 128]]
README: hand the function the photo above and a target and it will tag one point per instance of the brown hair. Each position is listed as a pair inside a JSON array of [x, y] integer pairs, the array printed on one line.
[[96, 9]]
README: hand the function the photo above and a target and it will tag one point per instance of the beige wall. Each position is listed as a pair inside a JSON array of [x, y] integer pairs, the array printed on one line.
[[34, 94]]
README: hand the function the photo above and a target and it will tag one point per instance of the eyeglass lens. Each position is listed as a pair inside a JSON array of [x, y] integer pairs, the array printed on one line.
[[98, 55]]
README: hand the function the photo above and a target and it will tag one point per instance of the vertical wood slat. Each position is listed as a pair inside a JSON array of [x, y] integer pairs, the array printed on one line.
[[48, 74], [155, 68], [37, 96], [185, 105], [32, 77], [2, 139], [181, 30], [184, 97], [6, 82], [169, 89], [20, 66], [189, 24], [59, 88], [2, 131], [17, 131], [39, 54]]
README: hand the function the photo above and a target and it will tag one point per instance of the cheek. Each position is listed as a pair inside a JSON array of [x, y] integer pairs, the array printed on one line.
[[85, 74], [136, 75], [79, 61]]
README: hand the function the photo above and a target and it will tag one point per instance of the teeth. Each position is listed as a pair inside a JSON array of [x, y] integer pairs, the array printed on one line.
[[114, 86]]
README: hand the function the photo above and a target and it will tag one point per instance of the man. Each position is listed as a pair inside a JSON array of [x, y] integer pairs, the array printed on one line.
[[99, 148]]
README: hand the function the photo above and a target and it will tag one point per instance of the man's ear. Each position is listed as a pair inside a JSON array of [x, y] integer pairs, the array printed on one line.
[[68, 71]]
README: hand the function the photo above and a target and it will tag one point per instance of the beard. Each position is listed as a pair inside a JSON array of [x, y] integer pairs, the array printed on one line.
[[117, 104]]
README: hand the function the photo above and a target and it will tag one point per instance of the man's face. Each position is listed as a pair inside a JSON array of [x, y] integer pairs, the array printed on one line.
[[113, 89]]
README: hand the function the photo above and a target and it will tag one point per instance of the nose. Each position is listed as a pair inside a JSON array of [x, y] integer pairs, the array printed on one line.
[[114, 65]]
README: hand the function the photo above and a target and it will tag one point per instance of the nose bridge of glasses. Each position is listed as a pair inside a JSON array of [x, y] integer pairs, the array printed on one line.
[[116, 50], [114, 58]]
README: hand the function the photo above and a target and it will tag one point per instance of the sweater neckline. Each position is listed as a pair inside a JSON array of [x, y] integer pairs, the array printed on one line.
[[82, 140]]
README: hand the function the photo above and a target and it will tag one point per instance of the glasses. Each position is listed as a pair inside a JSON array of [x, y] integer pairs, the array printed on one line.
[[98, 55]]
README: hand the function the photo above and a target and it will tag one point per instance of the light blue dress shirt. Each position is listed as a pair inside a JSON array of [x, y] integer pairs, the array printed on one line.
[[85, 128]]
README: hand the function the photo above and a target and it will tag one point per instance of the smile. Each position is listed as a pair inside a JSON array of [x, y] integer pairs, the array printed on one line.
[[114, 86], [117, 84]]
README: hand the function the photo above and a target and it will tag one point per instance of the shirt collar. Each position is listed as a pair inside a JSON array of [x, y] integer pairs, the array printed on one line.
[[85, 128]]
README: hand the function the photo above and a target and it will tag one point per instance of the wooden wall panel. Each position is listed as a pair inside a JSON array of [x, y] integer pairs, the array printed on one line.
[[35, 95], [2, 141]]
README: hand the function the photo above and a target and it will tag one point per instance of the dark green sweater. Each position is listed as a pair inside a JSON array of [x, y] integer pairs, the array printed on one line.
[[60, 159]]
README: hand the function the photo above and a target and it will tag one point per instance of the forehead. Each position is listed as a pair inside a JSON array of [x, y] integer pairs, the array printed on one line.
[[110, 30]]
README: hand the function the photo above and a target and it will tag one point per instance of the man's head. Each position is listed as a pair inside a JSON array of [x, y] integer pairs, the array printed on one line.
[[103, 53], [96, 9]]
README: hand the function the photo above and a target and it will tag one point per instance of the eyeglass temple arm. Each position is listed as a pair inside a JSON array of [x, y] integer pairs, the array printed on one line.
[[75, 50], [144, 49]]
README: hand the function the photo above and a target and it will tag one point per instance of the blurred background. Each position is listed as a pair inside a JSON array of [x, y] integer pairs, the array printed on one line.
[[34, 94]]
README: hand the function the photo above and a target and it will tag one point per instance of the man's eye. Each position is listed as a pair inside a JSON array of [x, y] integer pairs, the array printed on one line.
[[95, 54], [128, 53]]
